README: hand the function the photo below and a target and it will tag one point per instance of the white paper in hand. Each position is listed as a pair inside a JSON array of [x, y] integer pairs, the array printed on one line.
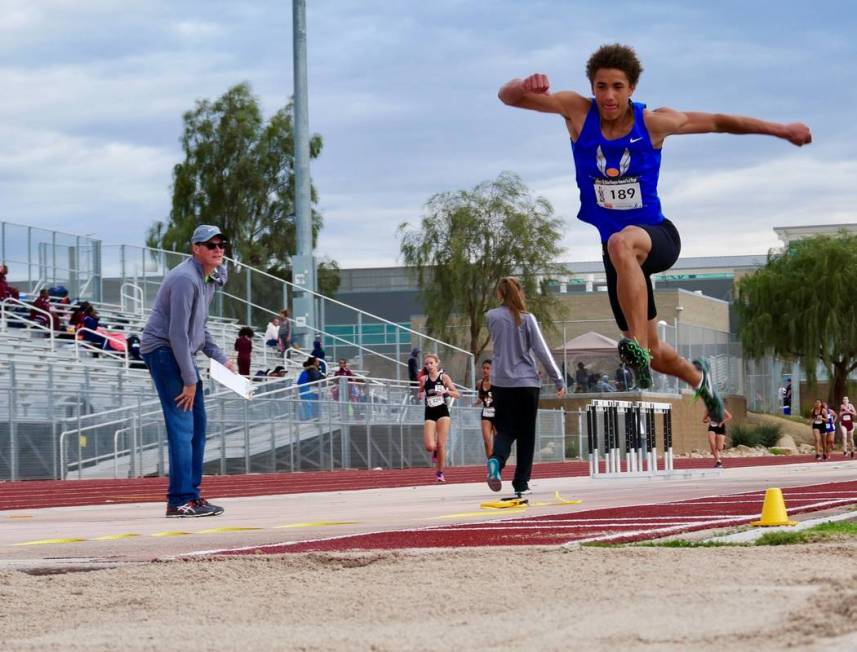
[[238, 384]]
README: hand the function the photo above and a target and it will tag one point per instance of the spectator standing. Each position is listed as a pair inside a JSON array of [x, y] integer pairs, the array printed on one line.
[[309, 392], [604, 385], [284, 333], [581, 378], [624, 378], [244, 347], [413, 365], [6, 290], [318, 354], [787, 397], [343, 370], [175, 332]]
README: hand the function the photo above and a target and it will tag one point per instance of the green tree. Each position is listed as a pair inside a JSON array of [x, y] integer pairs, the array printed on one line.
[[238, 173], [800, 306], [467, 241]]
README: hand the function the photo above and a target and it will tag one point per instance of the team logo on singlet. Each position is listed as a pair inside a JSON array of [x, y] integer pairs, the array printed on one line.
[[616, 191]]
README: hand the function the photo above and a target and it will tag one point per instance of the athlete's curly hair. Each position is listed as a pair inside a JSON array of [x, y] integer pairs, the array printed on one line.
[[617, 56]]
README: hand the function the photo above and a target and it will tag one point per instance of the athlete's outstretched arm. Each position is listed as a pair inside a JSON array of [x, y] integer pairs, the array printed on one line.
[[796, 133], [533, 93]]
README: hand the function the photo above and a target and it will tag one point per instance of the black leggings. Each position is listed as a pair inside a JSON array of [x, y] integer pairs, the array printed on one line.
[[516, 409]]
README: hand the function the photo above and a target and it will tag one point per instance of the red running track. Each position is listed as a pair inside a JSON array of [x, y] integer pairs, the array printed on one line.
[[611, 525], [34, 494]]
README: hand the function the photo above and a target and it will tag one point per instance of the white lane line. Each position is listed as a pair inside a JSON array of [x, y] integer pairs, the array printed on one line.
[[601, 526], [679, 528], [622, 518]]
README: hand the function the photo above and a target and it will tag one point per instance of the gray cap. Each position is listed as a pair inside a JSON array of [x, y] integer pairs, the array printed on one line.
[[204, 233]]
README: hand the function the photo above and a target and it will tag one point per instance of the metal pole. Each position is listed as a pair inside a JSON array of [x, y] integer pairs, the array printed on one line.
[[249, 287], [29, 258], [13, 435], [303, 265]]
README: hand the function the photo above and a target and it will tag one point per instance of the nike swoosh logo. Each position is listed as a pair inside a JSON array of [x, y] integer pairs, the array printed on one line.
[[634, 140]]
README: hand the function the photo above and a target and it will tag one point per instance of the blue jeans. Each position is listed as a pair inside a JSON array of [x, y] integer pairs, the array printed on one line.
[[185, 429]]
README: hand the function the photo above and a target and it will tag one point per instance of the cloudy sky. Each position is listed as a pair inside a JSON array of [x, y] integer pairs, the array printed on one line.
[[404, 95]]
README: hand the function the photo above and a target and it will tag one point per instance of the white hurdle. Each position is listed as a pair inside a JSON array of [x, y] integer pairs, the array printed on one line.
[[639, 438]]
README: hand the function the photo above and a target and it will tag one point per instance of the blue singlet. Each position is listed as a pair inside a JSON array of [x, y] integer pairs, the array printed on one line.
[[618, 179]]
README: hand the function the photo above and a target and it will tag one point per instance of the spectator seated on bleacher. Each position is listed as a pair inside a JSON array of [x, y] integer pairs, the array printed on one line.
[[6, 290], [271, 332], [43, 303], [77, 314], [136, 360], [89, 329], [97, 336]]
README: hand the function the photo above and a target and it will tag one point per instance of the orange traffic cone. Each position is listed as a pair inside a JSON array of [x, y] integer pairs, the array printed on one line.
[[774, 510]]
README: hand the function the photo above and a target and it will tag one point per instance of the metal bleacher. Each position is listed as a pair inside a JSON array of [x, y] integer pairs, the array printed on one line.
[[75, 411]]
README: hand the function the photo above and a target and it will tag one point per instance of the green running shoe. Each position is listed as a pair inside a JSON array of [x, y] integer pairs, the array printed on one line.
[[638, 359], [708, 394]]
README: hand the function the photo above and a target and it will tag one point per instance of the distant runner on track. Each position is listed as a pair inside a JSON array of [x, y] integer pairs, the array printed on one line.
[[435, 386], [616, 144]]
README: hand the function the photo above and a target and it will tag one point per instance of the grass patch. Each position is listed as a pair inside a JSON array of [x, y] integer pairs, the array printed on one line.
[[779, 451], [782, 538], [820, 532], [681, 543]]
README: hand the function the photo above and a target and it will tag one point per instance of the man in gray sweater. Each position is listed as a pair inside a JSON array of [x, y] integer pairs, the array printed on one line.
[[175, 332]]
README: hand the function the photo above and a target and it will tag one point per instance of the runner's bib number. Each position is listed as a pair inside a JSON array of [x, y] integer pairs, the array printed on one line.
[[488, 412], [846, 417], [618, 194], [434, 401]]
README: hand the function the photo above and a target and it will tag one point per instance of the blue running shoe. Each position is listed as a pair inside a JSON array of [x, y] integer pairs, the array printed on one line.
[[494, 481]]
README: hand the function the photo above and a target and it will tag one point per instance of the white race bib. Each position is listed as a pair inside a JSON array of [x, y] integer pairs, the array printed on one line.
[[488, 412], [434, 401], [621, 194]]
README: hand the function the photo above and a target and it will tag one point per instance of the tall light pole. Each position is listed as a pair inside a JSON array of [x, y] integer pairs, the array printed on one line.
[[303, 262]]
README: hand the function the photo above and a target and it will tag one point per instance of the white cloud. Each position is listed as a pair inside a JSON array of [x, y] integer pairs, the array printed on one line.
[[404, 96]]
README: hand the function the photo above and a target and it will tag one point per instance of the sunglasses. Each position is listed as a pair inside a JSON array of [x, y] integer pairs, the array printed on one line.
[[215, 245]]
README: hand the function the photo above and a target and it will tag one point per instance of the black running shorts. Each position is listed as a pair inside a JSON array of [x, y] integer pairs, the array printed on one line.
[[666, 247]]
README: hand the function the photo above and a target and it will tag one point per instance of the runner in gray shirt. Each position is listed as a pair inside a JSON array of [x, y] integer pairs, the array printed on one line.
[[515, 382]]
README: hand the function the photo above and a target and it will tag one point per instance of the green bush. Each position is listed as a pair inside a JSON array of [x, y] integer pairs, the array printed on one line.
[[743, 436], [768, 435], [765, 435]]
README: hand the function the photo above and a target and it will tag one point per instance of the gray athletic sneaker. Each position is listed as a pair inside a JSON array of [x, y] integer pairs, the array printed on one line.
[[708, 394], [638, 359]]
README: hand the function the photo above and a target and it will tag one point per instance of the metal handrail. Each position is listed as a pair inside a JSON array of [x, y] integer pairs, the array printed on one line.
[[3, 317], [317, 295], [133, 297], [318, 331]]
